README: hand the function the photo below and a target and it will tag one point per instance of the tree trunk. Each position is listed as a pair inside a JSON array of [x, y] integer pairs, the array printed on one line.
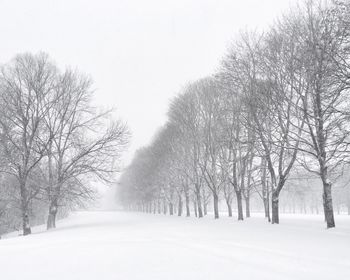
[[171, 209], [265, 190], [205, 208], [174, 208], [51, 219], [239, 205], [275, 205], [216, 205], [229, 207], [267, 209], [25, 209], [247, 206], [187, 201], [199, 204], [195, 208], [158, 206], [205, 203], [328, 204], [26, 225], [180, 204], [165, 208]]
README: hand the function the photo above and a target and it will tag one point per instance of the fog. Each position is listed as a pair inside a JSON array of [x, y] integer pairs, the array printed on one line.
[[139, 53]]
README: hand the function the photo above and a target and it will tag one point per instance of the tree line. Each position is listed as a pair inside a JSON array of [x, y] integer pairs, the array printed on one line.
[[54, 143], [277, 105]]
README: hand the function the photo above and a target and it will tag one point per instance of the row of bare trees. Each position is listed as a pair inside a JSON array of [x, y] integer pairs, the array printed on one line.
[[53, 141], [279, 102]]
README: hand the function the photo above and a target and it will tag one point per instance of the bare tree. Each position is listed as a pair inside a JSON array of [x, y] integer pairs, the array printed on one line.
[[78, 145], [279, 99], [184, 113], [27, 86], [211, 135], [325, 40]]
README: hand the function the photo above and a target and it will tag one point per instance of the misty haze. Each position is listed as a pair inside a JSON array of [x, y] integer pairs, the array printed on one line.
[[175, 140]]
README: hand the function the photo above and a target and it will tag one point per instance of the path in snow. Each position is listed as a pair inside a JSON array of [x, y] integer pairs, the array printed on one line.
[[128, 246]]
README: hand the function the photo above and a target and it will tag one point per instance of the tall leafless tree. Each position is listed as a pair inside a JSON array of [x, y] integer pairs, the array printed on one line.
[[27, 86]]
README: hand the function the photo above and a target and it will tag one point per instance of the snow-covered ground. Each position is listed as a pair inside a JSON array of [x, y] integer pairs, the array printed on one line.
[[116, 245]]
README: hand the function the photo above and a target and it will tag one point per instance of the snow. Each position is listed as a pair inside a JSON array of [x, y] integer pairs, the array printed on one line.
[[120, 245]]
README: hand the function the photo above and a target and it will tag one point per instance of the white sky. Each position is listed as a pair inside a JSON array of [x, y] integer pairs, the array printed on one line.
[[139, 52]]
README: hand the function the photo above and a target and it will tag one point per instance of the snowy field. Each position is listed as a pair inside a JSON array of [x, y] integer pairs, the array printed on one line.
[[127, 246]]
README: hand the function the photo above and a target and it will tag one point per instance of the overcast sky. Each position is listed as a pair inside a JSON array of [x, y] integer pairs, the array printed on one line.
[[139, 53]]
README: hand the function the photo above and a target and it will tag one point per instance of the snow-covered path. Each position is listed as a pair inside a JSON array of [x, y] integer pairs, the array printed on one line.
[[128, 246]]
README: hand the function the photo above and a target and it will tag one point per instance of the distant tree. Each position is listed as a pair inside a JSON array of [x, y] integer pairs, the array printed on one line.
[[278, 101], [211, 135], [184, 112]]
